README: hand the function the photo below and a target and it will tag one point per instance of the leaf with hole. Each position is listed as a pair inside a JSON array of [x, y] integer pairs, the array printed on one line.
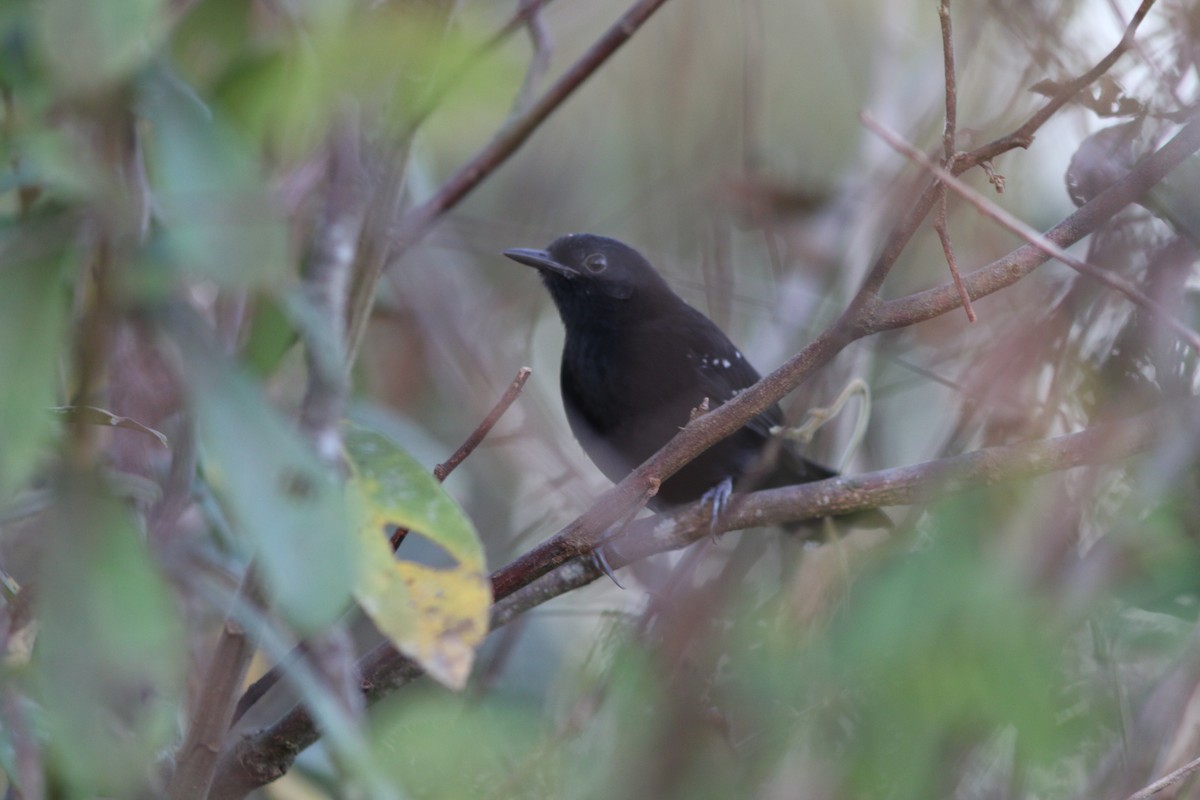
[[437, 615]]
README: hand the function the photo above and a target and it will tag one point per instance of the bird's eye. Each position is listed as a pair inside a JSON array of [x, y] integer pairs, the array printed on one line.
[[595, 262]]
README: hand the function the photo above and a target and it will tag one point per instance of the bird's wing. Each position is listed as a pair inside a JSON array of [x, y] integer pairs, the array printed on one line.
[[724, 372]]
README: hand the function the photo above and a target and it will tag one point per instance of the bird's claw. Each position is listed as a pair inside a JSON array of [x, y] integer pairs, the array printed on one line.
[[600, 561], [719, 497]]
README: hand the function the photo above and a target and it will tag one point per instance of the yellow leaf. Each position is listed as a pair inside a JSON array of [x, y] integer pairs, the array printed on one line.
[[435, 615]]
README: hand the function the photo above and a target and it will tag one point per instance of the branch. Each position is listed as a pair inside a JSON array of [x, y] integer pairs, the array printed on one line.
[[519, 128], [1166, 780], [519, 588]]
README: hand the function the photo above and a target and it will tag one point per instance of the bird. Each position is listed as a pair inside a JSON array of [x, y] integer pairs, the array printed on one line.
[[639, 362]]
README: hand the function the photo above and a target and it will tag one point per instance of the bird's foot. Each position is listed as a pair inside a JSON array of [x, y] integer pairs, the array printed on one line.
[[719, 497], [598, 557]]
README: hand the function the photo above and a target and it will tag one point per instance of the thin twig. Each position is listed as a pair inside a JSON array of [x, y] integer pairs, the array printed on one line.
[[518, 129], [949, 135], [1166, 780], [543, 50], [1034, 237], [949, 153], [939, 225], [904, 230], [443, 470]]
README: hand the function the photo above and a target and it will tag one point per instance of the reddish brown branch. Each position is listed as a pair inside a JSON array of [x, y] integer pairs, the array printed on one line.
[[943, 232], [949, 136]]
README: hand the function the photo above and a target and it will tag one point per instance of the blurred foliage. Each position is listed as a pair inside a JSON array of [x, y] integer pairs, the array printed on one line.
[[108, 663], [167, 186]]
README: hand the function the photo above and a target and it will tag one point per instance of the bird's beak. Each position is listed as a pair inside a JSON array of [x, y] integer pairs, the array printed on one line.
[[539, 259]]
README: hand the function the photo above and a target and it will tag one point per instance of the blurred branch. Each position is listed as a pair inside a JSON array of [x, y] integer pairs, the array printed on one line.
[[327, 279], [1035, 238], [327, 273], [196, 759], [1166, 781], [520, 585], [539, 62]]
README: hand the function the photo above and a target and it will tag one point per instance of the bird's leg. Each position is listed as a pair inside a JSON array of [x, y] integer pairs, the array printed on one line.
[[719, 497]]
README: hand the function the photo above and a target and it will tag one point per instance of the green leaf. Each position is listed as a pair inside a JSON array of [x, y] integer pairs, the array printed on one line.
[[450, 747], [278, 494], [220, 220], [110, 651], [32, 330], [437, 616], [394, 59], [91, 44]]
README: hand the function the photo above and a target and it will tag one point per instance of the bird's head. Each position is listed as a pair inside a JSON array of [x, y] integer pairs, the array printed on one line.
[[589, 274]]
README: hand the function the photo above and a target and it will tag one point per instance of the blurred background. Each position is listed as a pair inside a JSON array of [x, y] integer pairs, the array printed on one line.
[[169, 165]]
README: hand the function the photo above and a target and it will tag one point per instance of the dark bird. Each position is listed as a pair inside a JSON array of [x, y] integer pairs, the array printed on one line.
[[638, 360]]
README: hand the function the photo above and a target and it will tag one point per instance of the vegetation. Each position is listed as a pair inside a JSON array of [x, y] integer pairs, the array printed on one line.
[[251, 293]]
